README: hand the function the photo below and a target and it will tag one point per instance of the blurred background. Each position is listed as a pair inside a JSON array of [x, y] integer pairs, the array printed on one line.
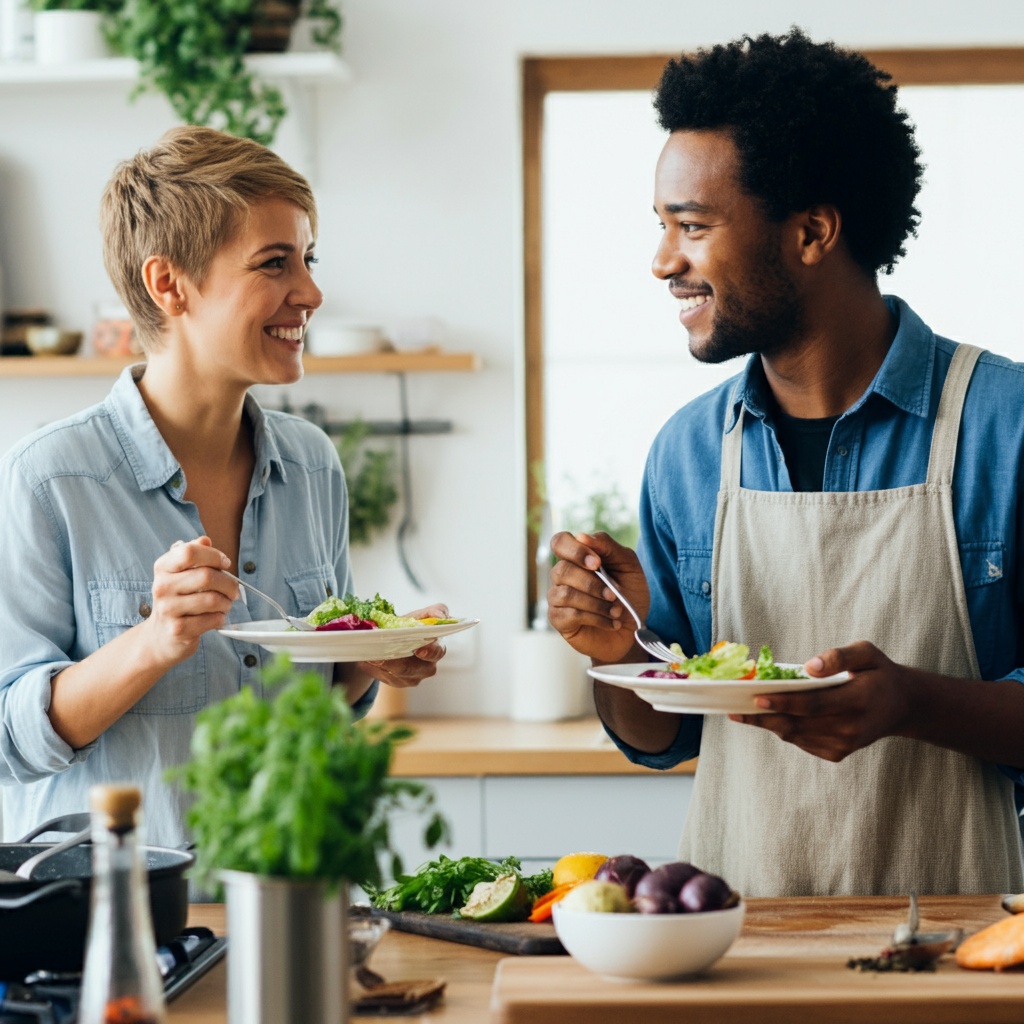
[[416, 155]]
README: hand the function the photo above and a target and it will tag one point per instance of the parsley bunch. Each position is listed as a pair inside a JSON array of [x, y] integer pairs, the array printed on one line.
[[293, 788], [443, 885]]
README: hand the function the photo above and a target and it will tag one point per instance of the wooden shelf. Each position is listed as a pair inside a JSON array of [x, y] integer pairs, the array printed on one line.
[[425, 361], [322, 66]]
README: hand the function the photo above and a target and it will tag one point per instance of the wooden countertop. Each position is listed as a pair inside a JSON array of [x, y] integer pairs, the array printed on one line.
[[499, 746], [788, 966]]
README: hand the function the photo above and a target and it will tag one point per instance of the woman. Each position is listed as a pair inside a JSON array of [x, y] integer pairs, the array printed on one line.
[[115, 524]]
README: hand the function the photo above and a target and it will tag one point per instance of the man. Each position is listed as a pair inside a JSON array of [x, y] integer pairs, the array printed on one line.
[[830, 500]]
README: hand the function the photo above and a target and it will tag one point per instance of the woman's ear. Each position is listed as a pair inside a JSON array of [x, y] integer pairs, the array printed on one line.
[[819, 229], [165, 285]]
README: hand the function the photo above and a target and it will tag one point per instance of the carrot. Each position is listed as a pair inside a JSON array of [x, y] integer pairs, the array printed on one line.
[[999, 946], [543, 904]]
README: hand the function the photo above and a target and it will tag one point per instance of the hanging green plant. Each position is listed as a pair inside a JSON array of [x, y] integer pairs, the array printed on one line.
[[193, 51], [370, 476], [103, 6]]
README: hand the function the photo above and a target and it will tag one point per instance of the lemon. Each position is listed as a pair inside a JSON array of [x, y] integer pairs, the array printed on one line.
[[577, 867]]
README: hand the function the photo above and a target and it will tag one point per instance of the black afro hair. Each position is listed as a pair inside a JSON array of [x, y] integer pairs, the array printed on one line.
[[813, 124]]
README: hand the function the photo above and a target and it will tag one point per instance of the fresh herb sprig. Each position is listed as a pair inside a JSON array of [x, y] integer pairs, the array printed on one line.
[[443, 885], [293, 787]]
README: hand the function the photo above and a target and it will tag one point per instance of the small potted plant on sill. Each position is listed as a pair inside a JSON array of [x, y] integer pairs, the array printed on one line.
[[194, 54], [68, 31], [291, 803]]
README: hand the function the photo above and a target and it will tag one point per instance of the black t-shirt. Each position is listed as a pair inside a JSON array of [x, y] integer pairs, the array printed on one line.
[[805, 446]]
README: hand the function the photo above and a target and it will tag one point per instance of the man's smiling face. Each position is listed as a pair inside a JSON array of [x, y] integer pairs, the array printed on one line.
[[721, 255]]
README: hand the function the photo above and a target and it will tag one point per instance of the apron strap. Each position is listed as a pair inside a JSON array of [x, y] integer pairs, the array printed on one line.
[[732, 452], [947, 420]]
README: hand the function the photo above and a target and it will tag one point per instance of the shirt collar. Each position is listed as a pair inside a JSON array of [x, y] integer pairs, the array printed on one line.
[[146, 450], [904, 378]]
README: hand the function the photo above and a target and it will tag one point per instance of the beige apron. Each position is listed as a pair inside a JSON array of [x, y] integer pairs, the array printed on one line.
[[804, 572]]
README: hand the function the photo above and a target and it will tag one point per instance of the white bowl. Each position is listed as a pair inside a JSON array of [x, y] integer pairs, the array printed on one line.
[[647, 947]]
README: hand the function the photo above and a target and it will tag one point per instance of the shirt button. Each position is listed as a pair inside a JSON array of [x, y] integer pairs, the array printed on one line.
[[176, 482], [145, 610], [250, 660], [705, 587], [249, 567], [842, 450]]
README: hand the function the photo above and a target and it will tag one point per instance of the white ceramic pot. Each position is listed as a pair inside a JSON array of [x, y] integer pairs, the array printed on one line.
[[67, 37], [16, 30]]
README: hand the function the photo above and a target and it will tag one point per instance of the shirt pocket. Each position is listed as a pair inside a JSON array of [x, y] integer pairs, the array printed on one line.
[[311, 587], [117, 605], [693, 570], [982, 565]]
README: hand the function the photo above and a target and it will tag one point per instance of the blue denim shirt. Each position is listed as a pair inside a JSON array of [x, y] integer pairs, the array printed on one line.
[[87, 505], [882, 441]]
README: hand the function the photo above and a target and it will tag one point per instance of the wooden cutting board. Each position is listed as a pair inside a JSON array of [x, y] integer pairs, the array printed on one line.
[[519, 939], [787, 967]]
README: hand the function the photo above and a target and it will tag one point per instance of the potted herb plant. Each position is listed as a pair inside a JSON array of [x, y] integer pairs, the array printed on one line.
[[194, 54], [67, 31], [292, 801]]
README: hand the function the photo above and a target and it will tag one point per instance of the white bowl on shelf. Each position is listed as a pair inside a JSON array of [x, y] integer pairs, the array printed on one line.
[[647, 947]]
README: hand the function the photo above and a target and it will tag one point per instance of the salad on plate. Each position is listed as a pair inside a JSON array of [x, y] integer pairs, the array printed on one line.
[[725, 660], [350, 613]]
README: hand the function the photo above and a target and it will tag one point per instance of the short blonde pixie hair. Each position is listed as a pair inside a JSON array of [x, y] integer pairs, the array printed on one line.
[[182, 200]]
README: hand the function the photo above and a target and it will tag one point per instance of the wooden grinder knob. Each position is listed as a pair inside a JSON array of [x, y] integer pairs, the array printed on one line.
[[119, 804]]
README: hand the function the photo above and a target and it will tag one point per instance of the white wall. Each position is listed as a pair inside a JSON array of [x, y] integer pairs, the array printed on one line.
[[420, 198]]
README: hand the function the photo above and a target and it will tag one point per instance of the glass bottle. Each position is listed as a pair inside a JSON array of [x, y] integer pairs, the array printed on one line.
[[121, 982]]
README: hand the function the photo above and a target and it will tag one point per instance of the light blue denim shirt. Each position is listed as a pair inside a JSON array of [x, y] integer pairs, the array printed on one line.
[[87, 505], [882, 441]]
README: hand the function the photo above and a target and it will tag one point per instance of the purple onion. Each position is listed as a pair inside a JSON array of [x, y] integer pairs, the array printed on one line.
[[704, 892], [624, 870], [658, 891], [349, 621]]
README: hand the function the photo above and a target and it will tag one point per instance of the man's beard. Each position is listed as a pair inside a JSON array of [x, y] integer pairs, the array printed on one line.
[[768, 325]]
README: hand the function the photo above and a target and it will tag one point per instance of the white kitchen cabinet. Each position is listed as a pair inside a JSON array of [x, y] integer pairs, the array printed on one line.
[[538, 818], [542, 817]]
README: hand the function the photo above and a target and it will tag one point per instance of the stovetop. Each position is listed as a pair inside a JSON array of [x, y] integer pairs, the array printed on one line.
[[46, 998]]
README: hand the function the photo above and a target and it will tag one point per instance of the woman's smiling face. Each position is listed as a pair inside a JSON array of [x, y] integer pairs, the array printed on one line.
[[248, 319]]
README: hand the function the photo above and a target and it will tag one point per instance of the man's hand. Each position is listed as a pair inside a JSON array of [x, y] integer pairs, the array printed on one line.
[[582, 608], [403, 672], [834, 722], [190, 597]]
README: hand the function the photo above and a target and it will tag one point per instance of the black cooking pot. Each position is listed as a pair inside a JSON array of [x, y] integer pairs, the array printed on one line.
[[43, 922]]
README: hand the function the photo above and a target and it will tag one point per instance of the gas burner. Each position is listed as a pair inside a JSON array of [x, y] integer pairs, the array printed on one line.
[[48, 998]]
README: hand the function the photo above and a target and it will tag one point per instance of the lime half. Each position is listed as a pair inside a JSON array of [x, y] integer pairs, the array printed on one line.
[[504, 899]]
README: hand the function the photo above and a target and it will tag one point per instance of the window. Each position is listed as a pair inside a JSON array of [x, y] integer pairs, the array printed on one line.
[[607, 360]]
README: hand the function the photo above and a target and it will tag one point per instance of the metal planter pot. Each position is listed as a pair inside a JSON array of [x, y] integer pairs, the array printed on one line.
[[289, 955]]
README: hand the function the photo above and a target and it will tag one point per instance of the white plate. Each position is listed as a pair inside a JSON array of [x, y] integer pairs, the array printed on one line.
[[342, 645], [706, 696]]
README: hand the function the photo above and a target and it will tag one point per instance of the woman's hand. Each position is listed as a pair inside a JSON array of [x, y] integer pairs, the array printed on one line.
[[582, 608], [403, 672], [190, 597]]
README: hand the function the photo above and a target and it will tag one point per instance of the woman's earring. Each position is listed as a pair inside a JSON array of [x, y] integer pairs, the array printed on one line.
[[177, 307]]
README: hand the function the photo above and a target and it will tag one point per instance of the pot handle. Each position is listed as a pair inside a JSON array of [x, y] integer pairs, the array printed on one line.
[[63, 823], [52, 889]]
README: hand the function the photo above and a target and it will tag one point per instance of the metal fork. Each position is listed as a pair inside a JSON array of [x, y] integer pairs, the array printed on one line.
[[292, 620], [646, 638]]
